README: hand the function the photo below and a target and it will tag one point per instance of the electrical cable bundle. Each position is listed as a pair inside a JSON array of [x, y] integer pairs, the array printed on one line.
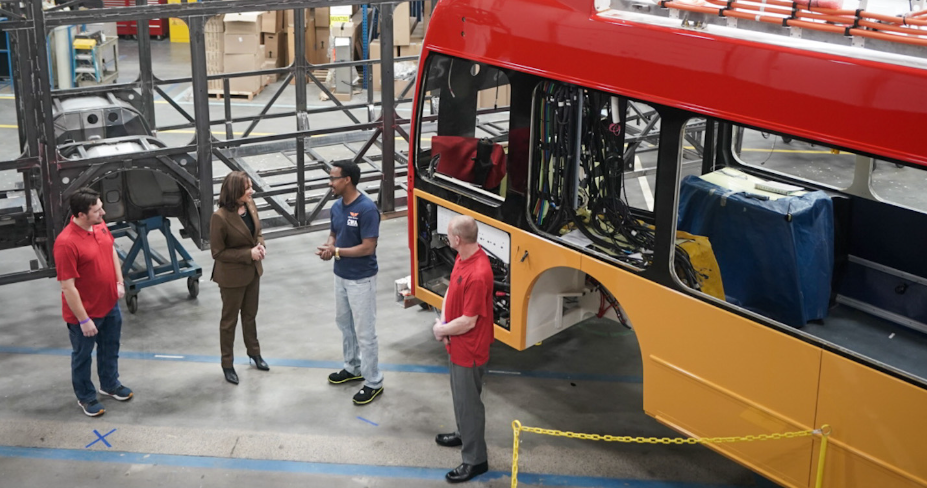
[[601, 211], [556, 127]]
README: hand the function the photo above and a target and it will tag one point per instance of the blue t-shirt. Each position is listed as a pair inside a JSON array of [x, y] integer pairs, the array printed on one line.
[[352, 224]]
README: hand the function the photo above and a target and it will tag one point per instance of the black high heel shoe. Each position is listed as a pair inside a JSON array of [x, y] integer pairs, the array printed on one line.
[[259, 363], [230, 375]]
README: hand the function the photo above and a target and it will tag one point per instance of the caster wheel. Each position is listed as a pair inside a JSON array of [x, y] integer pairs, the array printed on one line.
[[786, 140], [132, 302], [424, 306], [193, 286]]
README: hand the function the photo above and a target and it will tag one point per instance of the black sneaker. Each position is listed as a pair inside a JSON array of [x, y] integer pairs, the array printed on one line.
[[91, 408], [122, 393], [366, 395], [343, 377]]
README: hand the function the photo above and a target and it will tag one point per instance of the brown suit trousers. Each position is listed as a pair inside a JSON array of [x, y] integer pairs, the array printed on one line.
[[244, 299]]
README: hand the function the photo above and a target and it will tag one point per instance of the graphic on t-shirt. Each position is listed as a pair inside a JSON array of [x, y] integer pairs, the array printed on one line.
[[352, 219]]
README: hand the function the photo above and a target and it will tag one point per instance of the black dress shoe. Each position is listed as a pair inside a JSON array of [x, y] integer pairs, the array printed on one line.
[[230, 375], [259, 363], [449, 440], [466, 472]]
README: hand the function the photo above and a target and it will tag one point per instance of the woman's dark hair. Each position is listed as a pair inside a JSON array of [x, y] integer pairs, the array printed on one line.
[[348, 168], [82, 200], [233, 187]]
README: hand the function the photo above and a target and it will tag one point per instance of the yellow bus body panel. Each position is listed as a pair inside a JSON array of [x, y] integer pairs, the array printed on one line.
[[712, 373], [880, 426]]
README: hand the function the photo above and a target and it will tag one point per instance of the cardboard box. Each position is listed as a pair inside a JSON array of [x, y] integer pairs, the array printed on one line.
[[488, 98], [426, 14], [215, 42], [413, 49], [319, 56], [341, 13], [242, 43], [215, 24], [269, 63], [321, 15], [402, 25], [235, 63], [214, 63], [375, 51], [272, 22], [214, 66], [243, 23], [322, 37], [291, 40], [291, 17], [275, 45], [246, 84]]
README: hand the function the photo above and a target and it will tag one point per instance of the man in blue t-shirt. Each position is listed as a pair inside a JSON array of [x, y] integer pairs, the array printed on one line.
[[352, 242]]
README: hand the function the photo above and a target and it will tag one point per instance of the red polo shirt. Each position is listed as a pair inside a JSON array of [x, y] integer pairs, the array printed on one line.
[[88, 258], [470, 294]]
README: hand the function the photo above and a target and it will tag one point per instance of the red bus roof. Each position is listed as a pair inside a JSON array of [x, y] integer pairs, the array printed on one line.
[[859, 104]]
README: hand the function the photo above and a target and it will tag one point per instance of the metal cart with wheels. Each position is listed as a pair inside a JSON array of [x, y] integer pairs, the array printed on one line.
[[157, 268]]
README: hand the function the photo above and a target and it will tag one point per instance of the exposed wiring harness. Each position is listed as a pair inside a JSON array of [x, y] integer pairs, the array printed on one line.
[[583, 187]]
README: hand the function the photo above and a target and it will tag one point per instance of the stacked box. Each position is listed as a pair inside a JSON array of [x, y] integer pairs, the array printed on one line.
[[276, 48], [269, 63], [402, 25], [291, 40], [243, 51], [272, 22], [215, 49]]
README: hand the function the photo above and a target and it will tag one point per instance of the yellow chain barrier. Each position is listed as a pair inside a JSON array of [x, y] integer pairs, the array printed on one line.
[[824, 431]]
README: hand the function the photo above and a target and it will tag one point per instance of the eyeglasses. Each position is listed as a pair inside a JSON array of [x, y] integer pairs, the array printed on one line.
[[333, 178]]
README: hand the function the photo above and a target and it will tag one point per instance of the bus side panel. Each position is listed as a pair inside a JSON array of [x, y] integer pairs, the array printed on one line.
[[687, 387], [531, 257], [879, 427]]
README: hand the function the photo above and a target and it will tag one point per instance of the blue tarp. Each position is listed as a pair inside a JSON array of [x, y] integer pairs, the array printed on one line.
[[771, 264]]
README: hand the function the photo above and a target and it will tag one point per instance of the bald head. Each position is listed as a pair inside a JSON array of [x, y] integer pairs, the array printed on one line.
[[465, 227]]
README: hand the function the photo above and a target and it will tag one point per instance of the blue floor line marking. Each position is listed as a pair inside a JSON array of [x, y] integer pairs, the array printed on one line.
[[317, 364], [331, 469], [369, 421]]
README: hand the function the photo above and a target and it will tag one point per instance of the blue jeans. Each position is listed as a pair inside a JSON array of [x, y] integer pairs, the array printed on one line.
[[356, 316], [109, 329]]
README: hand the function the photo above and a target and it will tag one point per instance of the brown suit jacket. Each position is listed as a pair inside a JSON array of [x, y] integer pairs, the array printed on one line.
[[231, 245]]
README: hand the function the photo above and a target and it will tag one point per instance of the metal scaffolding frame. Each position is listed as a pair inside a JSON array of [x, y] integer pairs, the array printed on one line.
[[49, 178]]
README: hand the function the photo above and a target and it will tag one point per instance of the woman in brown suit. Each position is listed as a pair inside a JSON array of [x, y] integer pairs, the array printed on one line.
[[238, 248]]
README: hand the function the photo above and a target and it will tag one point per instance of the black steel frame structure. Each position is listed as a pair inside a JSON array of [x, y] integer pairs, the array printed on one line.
[[297, 206]]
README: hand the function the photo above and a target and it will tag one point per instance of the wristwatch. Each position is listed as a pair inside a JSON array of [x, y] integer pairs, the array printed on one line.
[[337, 254]]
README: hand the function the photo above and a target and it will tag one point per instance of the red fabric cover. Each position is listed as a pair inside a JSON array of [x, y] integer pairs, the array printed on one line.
[[457, 155], [470, 295], [88, 258]]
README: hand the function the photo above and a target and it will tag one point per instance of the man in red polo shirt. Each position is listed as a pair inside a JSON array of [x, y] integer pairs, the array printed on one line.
[[466, 327], [91, 285]]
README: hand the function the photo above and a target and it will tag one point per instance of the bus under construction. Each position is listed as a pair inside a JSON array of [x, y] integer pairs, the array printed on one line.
[[733, 180]]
